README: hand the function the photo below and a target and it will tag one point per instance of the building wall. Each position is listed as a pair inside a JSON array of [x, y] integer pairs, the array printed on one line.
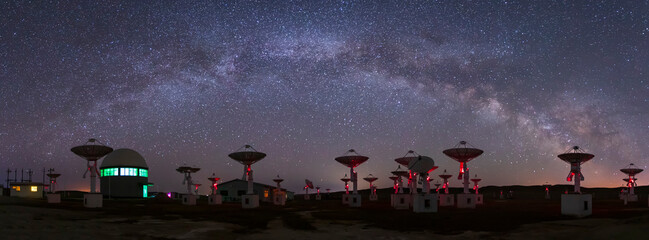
[[26, 190], [123, 187], [232, 191]]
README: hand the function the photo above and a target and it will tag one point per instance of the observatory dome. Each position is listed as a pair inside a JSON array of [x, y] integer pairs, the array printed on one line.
[[124, 173], [124, 157]]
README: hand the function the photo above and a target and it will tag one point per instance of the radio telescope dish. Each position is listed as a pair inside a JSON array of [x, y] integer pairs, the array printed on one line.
[[463, 154], [278, 179], [187, 176], [631, 170], [352, 161], [309, 184], [370, 178], [214, 181], [399, 172], [405, 160], [422, 165], [346, 180], [445, 176], [52, 176], [247, 156], [576, 157], [92, 151]]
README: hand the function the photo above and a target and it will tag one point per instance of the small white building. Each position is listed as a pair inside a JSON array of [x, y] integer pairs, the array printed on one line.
[[26, 189], [232, 190]]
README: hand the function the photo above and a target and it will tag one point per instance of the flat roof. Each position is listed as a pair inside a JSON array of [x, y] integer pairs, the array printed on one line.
[[25, 183]]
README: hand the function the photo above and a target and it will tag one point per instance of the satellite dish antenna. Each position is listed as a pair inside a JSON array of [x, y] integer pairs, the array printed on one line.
[[309, 185], [475, 181], [463, 154], [279, 196], [196, 185], [350, 160], [631, 170], [437, 184], [247, 156], [187, 176], [278, 180], [422, 165], [445, 176], [576, 157], [395, 183], [405, 161], [346, 180], [401, 174], [92, 151], [52, 177], [214, 181], [371, 178]]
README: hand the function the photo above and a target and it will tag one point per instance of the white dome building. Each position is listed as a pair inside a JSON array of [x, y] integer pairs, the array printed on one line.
[[124, 174]]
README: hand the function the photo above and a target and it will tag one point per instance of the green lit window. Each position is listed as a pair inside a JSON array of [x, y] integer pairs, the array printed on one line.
[[128, 171], [109, 172], [145, 190], [143, 173]]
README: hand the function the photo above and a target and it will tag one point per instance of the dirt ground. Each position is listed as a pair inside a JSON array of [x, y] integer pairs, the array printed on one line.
[[326, 219]]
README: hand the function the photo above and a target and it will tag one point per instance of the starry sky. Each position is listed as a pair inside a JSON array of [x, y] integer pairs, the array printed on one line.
[[304, 81]]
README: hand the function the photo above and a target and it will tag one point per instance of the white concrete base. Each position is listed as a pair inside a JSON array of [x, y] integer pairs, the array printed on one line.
[[446, 200], [401, 201], [93, 200], [189, 200], [479, 199], [279, 198], [318, 197], [345, 199], [214, 199], [424, 203], [466, 200], [354, 200], [374, 197], [577, 205], [53, 198], [250, 201]]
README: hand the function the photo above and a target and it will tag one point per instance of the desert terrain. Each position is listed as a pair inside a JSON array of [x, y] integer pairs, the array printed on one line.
[[525, 216]]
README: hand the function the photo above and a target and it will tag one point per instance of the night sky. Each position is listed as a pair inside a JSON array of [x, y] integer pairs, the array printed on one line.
[[304, 81]]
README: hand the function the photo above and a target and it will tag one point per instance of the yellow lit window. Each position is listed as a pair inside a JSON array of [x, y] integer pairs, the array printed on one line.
[[17, 188], [34, 188], [265, 193]]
